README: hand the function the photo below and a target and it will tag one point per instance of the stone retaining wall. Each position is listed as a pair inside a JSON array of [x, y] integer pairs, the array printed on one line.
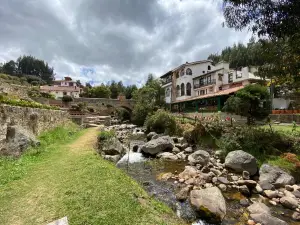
[[14, 89], [32, 119]]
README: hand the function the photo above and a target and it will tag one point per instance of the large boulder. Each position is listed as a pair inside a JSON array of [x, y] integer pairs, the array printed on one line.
[[111, 146], [259, 207], [189, 172], [161, 144], [18, 140], [274, 176], [209, 203], [240, 161], [199, 157], [150, 135]]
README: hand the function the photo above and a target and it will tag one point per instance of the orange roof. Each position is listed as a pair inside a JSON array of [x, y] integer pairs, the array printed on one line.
[[53, 88], [219, 93]]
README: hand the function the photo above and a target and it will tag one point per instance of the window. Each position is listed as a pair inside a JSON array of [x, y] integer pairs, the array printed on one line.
[[177, 91], [65, 93], [201, 81], [238, 75], [202, 92], [230, 78], [177, 75], [209, 68], [220, 88], [189, 71], [220, 76], [208, 78], [182, 72], [188, 89], [182, 89], [205, 91], [168, 92], [203, 71]]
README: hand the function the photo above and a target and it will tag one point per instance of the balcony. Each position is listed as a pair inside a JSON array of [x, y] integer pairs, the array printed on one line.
[[166, 80], [205, 83]]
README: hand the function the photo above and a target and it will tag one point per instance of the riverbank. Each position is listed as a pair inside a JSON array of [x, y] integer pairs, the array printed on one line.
[[65, 177]]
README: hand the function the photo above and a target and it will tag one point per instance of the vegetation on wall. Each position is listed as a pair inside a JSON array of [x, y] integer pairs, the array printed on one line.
[[24, 103], [35, 93]]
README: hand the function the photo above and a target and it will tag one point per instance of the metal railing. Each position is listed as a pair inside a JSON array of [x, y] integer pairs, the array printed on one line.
[[205, 83]]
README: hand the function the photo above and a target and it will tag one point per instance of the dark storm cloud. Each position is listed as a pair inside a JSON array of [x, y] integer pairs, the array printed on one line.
[[118, 39]]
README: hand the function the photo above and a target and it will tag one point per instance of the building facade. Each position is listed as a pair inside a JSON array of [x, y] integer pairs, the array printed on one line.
[[61, 88], [202, 86]]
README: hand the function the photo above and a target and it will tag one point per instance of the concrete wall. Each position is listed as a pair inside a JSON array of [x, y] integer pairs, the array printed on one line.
[[32, 119], [281, 103]]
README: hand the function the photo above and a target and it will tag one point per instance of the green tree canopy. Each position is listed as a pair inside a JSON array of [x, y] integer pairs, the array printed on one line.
[[251, 102]]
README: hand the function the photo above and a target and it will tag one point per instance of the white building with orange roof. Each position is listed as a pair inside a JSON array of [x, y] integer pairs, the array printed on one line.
[[61, 88]]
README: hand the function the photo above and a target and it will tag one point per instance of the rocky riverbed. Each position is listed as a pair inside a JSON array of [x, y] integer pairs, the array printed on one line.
[[199, 184]]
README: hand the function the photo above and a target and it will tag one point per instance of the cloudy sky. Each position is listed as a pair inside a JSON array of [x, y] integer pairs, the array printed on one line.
[[103, 40]]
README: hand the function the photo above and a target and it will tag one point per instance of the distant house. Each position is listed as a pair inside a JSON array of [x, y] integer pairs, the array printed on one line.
[[61, 88], [202, 85]]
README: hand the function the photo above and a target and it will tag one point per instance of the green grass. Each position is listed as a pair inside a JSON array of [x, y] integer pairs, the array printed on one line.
[[65, 177], [282, 163], [283, 128]]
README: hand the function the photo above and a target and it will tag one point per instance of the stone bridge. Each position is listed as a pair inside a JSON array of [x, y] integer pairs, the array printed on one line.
[[116, 103]]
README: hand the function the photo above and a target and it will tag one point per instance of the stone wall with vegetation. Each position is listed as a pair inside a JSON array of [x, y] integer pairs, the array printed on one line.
[[14, 89], [34, 120]]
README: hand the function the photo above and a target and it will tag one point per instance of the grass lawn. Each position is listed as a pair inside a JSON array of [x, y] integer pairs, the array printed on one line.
[[65, 177]]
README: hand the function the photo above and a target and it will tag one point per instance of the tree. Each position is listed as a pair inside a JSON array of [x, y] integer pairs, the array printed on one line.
[[88, 85], [150, 79], [129, 91], [101, 91], [10, 68], [147, 100], [114, 89], [251, 101], [67, 98]]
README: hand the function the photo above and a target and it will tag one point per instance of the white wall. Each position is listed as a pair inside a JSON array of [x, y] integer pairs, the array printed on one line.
[[281, 103]]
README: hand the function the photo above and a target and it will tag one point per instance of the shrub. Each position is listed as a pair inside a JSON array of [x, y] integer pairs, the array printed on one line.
[[123, 114], [105, 135], [67, 98], [25, 103], [161, 122], [35, 83]]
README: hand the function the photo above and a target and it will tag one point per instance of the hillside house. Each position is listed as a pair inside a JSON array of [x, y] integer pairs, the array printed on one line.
[[202, 85], [61, 88]]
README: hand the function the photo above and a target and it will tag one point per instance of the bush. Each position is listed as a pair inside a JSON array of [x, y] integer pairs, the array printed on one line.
[[67, 98], [106, 135], [35, 83], [123, 114], [161, 122], [25, 103]]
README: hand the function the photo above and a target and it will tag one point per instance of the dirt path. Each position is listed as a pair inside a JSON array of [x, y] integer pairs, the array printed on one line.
[[85, 142]]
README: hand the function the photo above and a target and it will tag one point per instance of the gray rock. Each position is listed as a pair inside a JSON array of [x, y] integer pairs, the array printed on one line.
[[275, 176], [176, 150], [111, 146], [244, 202], [296, 216], [267, 219], [199, 157], [234, 178], [181, 156], [216, 172], [214, 180], [246, 175], [257, 189], [208, 176], [271, 194], [188, 150], [265, 185], [167, 156], [296, 193], [222, 187], [209, 202], [223, 180], [249, 183], [205, 169], [112, 158], [289, 187], [241, 161], [289, 202], [259, 207], [136, 145], [183, 193], [244, 190], [18, 140], [189, 172], [158, 145], [150, 135]]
